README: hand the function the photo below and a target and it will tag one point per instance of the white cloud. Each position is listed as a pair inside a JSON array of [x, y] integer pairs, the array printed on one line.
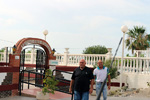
[[71, 23], [130, 24], [13, 13], [7, 22], [97, 22]]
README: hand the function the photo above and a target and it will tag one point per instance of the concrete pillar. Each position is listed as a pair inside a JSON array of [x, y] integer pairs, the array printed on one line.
[[66, 56], [4, 53], [32, 59], [32, 56], [109, 54]]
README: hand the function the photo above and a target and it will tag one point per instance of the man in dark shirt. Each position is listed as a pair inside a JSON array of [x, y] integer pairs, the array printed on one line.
[[81, 79]]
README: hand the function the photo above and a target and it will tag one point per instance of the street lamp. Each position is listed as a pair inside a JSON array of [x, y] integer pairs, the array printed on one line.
[[45, 33], [14, 48], [124, 29]]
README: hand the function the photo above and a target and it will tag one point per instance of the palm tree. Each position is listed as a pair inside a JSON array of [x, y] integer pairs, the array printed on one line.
[[137, 39]]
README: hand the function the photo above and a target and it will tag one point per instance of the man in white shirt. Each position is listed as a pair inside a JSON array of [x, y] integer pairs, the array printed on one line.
[[100, 73]]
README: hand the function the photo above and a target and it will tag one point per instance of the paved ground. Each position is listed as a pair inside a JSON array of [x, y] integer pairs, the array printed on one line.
[[143, 95], [91, 98]]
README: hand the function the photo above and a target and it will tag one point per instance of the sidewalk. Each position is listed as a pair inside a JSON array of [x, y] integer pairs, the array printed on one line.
[[139, 96], [91, 98]]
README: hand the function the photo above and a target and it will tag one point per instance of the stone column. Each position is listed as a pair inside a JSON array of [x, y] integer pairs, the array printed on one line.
[[32, 56], [4, 53], [109, 54], [66, 56]]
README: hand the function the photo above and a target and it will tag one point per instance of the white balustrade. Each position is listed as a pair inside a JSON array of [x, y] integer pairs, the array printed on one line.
[[134, 64], [1, 56], [60, 58], [139, 65], [91, 59]]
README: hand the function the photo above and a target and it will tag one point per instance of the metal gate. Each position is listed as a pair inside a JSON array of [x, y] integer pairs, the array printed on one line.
[[41, 59], [22, 60]]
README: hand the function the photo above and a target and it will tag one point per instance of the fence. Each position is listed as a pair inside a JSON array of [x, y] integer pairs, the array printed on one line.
[[130, 64], [136, 70]]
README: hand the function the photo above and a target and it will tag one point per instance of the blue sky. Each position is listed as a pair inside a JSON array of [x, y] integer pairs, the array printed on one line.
[[74, 24]]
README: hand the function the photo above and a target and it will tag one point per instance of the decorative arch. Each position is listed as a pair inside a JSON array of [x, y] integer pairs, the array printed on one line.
[[26, 41], [14, 59]]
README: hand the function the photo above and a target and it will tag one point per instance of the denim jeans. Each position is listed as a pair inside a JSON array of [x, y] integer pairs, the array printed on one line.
[[98, 86], [81, 95]]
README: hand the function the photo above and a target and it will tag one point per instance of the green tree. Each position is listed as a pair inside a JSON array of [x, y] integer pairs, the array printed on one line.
[[137, 39], [2, 50], [95, 50], [112, 70]]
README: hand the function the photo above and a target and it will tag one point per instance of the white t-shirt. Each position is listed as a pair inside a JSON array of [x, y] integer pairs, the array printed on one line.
[[100, 74]]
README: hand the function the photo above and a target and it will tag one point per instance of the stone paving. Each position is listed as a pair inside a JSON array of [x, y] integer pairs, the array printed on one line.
[[91, 98], [142, 95]]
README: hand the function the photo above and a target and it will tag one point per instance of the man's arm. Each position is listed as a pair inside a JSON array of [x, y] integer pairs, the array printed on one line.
[[91, 86], [109, 81], [71, 84]]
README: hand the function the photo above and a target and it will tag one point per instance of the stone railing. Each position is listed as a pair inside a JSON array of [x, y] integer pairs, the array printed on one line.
[[130, 64], [73, 59], [134, 64]]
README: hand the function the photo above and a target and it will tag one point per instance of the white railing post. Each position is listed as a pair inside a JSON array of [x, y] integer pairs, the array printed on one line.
[[109, 54], [32, 56], [66, 56], [4, 53]]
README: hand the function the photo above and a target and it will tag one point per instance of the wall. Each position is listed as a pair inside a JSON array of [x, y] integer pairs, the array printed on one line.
[[2, 77], [134, 80]]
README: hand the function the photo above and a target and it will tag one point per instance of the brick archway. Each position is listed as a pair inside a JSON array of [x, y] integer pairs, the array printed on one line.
[[14, 59], [25, 41]]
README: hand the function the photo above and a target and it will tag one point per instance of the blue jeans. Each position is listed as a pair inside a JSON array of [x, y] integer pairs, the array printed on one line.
[[81, 95], [98, 86]]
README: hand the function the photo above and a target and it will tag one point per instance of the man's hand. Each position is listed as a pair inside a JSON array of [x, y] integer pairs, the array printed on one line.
[[71, 84], [91, 90], [70, 90], [108, 87]]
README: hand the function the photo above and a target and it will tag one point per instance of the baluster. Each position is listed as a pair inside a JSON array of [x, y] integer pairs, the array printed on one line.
[[133, 65], [77, 59], [94, 61], [91, 60], [71, 59], [144, 67], [140, 67], [59, 59], [127, 68], [137, 65], [88, 60], [147, 66], [74, 59]]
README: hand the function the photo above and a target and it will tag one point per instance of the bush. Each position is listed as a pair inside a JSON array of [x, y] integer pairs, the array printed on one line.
[[49, 83], [95, 50]]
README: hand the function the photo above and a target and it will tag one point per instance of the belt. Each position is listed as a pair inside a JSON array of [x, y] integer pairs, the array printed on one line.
[[99, 82]]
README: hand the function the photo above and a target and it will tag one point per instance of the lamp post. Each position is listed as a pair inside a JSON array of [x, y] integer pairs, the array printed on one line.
[[124, 29], [45, 33]]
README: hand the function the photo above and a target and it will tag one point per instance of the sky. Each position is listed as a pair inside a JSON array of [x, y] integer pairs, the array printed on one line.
[[73, 24]]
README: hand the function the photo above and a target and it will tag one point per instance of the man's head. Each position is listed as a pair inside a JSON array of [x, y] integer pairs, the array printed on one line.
[[100, 64], [82, 63]]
